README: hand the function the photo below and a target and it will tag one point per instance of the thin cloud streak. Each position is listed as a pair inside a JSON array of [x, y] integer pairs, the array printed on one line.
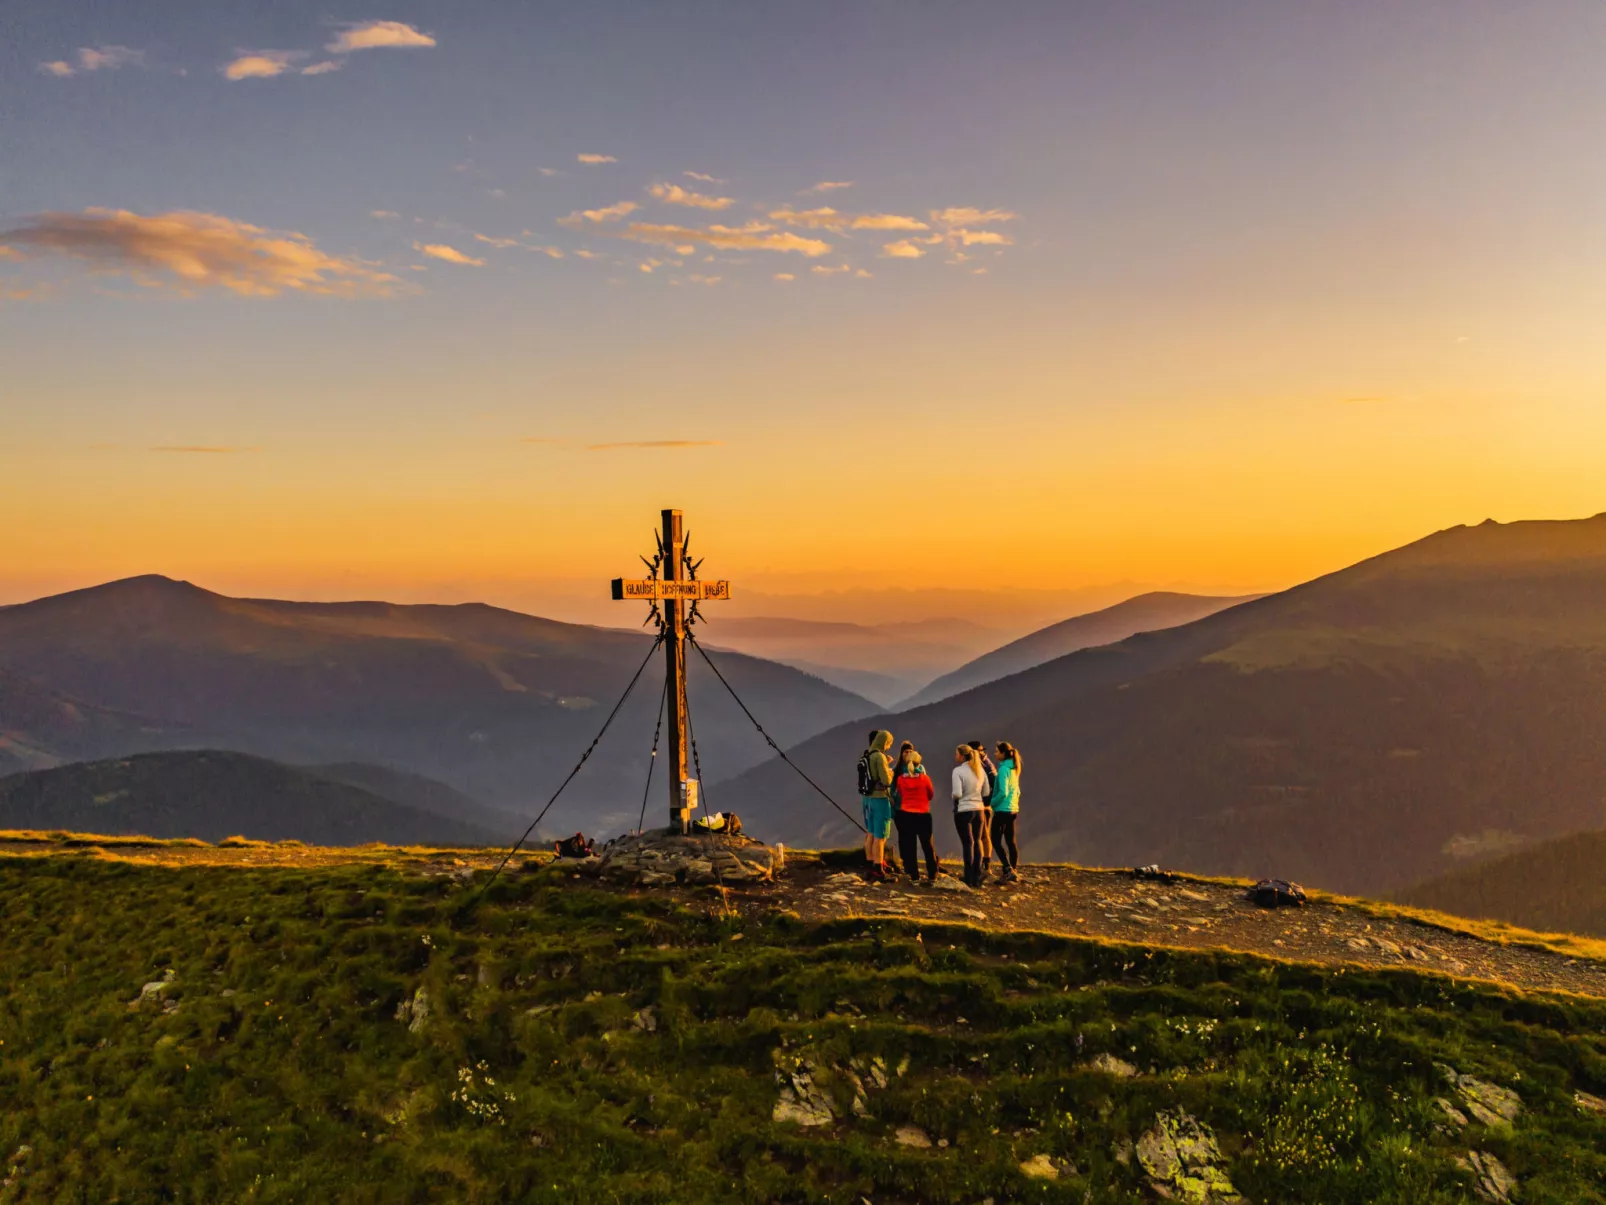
[[755, 236], [656, 443], [674, 194], [448, 254], [588, 157]]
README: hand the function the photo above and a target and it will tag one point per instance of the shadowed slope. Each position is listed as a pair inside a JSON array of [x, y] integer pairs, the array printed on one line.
[[1554, 886], [1145, 613], [212, 795]]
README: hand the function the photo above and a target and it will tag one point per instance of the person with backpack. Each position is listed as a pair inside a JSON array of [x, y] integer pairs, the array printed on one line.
[[1006, 809], [875, 789], [986, 806], [912, 793], [969, 781]]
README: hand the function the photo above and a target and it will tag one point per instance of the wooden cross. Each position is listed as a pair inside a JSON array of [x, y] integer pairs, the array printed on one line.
[[674, 594]]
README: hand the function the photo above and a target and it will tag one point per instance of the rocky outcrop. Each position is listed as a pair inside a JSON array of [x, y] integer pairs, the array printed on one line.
[[1183, 1162], [662, 859], [1490, 1104], [1492, 1182]]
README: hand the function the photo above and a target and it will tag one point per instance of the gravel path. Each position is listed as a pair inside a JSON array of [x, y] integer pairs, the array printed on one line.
[[1113, 905]]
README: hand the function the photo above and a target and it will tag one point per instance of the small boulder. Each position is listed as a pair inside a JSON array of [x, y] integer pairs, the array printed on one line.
[[1111, 1065], [1588, 1103], [1040, 1167], [1490, 1104], [1183, 1162], [912, 1136], [1492, 1182]]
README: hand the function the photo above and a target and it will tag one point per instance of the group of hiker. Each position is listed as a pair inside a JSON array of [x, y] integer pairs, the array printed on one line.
[[900, 791]]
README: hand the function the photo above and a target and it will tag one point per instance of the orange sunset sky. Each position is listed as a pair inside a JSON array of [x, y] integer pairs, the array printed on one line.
[[1219, 297]]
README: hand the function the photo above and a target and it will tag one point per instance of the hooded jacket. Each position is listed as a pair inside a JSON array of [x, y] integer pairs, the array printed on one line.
[[880, 768], [913, 790]]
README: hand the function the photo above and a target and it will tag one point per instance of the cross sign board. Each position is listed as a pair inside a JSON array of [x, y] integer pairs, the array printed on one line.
[[676, 592]]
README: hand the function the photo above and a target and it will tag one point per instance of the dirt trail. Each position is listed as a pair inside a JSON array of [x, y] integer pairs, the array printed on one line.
[[1187, 913], [1104, 904]]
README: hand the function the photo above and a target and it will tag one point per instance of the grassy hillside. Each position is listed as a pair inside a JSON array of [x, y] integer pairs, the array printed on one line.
[[1552, 886], [496, 704], [211, 795], [1345, 733], [1150, 612], [353, 1034]]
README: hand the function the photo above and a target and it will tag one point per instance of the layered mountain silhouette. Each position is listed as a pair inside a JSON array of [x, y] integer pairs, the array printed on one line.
[[1552, 886], [1146, 613], [1347, 732], [495, 704], [211, 795]]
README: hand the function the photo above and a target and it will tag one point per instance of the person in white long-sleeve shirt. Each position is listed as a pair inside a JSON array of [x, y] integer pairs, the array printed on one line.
[[969, 785]]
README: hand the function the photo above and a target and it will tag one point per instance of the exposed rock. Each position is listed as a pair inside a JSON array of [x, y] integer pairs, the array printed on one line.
[[154, 989], [415, 1012], [802, 1100], [1183, 1162], [1040, 1167], [1111, 1065], [1590, 1104], [1455, 1115], [912, 1136], [946, 882], [660, 859], [1493, 1181], [1489, 1104], [646, 1019]]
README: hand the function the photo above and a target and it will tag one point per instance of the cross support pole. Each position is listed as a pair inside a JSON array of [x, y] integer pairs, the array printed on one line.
[[680, 804], [674, 592]]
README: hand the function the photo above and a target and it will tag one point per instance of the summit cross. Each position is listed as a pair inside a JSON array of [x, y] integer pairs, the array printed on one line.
[[674, 592]]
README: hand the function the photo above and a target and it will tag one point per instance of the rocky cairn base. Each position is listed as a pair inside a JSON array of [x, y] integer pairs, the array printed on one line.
[[662, 859]]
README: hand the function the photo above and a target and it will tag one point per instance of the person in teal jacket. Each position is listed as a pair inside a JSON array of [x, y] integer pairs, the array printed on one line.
[[1006, 810]]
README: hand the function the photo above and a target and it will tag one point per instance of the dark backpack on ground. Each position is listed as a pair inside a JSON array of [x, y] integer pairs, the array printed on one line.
[[573, 847], [867, 784], [1277, 893]]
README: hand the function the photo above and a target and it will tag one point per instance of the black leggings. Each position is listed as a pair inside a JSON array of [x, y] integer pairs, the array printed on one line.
[[914, 831], [969, 826], [1004, 839]]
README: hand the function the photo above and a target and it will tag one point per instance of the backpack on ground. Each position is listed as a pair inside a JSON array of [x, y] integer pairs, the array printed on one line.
[[1153, 874], [577, 846], [1277, 893], [728, 823], [867, 784]]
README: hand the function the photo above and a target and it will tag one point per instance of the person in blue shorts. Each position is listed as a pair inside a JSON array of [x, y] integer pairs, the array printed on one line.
[[875, 790]]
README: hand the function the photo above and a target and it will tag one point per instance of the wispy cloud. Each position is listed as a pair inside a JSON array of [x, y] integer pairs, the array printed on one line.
[[829, 185], [378, 35], [261, 64], [195, 251], [697, 279], [704, 177], [202, 449], [497, 242], [656, 443], [902, 249], [587, 157], [549, 171], [983, 238], [823, 218], [95, 58], [886, 221], [449, 254], [784, 276], [384, 215], [609, 213], [323, 68], [755, 236], [674, 194], [965, 216], [823, 270]]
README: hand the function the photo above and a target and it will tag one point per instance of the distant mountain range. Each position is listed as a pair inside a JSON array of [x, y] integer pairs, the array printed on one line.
[[211, 795], [1347, 732], [1146, 613], [884, 662], [1556, 886], [495, 704]]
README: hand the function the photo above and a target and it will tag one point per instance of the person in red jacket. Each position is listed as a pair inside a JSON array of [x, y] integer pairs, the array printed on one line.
[[912, 792]]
